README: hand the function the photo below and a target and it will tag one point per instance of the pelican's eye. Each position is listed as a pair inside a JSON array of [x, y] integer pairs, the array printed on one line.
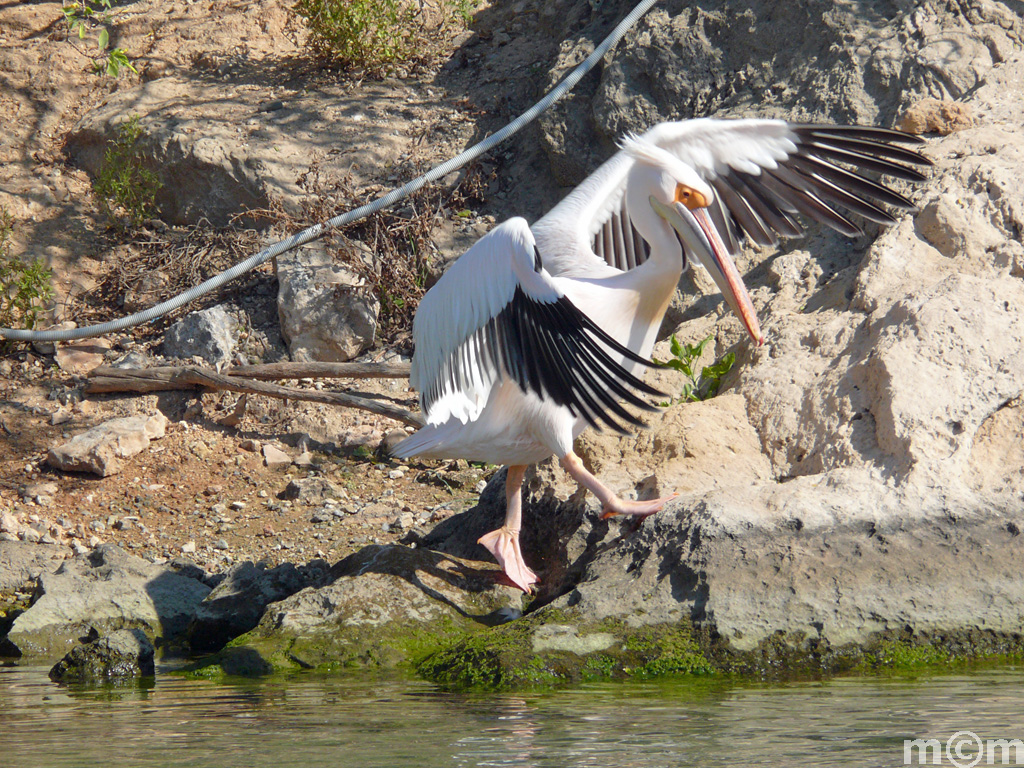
[[690, 197]]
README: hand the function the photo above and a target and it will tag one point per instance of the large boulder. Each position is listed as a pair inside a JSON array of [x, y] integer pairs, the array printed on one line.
[[861, 63], [380, 607], [221, 150], [858, 484], [101, 592]]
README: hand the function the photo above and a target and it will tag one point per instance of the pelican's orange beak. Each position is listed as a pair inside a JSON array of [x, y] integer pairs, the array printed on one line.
[[689, 217]]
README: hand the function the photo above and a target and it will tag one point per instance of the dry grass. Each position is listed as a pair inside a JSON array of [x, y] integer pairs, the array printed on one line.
[[391, 249], [157, 264]]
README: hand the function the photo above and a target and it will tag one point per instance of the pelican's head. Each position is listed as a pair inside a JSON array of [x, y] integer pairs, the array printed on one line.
[[678, 194]]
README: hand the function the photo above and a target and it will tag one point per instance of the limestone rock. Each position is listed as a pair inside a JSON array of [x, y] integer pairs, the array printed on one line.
[[22, 563], [101, 449], [935, 116], [275, 457], [209, 333], [81, 357], [326, 313], [103, 591], [828, 566], [236, 604], [857, 482], [381, 606], [121, 655]]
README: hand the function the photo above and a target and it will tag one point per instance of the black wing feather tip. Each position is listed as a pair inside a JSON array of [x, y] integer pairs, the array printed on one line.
[[554, 350], [811, 182], [868, 132]]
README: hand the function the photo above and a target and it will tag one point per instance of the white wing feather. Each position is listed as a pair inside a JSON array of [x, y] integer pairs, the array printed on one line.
[[473, 291]]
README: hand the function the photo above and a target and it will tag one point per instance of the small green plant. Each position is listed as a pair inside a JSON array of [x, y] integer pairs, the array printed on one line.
[[25, 288], [702, 384], [82, 17], [124, 182]]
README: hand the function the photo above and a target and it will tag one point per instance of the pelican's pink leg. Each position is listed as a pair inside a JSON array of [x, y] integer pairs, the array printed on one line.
[[610, 503], [504, 542]]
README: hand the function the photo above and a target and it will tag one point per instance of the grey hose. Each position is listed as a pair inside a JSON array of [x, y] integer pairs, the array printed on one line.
[[318, 230]]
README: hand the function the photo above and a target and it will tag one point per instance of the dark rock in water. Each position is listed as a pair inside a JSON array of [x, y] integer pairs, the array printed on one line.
[[380, 607], [103, 591], [237, 603], [123, 654]]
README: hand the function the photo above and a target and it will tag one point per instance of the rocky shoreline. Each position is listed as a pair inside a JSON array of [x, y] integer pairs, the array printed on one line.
[[853, 500], [770, 582]]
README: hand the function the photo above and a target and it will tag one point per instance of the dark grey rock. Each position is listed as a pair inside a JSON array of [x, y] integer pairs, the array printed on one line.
[[743, 59], [103, 591], [209, 334], [311, 490], [121, 655], [237, 603]]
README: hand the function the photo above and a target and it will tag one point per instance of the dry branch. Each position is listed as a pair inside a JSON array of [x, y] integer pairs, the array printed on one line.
[[273, 371], [107, 379]]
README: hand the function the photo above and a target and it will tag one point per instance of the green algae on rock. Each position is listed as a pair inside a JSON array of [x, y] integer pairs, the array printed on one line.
[[384, 606], [555, 647]]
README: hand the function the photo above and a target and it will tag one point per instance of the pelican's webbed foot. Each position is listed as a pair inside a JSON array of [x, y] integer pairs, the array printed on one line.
[[504, 545]]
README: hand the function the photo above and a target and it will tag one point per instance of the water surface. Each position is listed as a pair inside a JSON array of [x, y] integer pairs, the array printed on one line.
[[367, 721]]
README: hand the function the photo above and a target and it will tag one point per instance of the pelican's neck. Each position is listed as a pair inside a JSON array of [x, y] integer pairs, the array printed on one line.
[[666, 256]]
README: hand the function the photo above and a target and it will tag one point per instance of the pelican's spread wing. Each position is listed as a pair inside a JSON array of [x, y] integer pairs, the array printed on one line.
[[496, 314], [764, 173]]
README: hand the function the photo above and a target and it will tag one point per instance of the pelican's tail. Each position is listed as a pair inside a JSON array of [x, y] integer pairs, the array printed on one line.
[[419, 442]]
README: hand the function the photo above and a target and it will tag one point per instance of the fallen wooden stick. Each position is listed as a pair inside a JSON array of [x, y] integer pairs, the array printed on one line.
[[107, 379], [271, 371]]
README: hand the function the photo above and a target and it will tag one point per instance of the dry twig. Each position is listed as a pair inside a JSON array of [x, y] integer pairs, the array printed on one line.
[[107, 379]]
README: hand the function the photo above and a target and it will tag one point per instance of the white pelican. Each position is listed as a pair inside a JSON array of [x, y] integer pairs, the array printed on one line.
[[534, 333]]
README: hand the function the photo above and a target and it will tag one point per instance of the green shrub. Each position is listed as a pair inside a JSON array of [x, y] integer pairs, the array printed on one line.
[[363, 33], [373, 34], [124, 184], [25, 288]]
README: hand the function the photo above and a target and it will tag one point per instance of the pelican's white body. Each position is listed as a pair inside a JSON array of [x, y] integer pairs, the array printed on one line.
[[516, 427], [496, 421]]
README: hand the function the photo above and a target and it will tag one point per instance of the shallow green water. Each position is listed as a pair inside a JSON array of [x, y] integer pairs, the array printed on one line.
[[368, 722]]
